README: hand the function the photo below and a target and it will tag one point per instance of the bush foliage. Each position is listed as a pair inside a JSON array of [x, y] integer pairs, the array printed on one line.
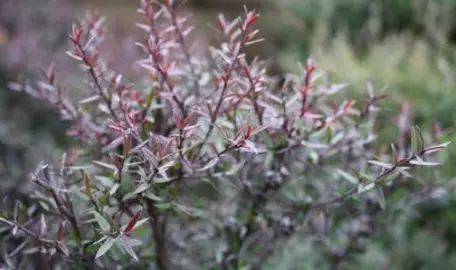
[[208, 162]]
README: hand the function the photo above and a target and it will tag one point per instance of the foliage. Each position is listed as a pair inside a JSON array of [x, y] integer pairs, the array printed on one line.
[[29, 131], [363, 21], [415, 66], [207, 162], [406, 46]]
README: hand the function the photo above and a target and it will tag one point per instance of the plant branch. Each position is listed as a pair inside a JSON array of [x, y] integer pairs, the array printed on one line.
[[159, 224]]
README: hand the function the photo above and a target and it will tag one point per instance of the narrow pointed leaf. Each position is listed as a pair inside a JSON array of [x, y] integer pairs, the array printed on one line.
[[381, 164], [365, 187], [6, 221], [102, 239], [105, 165], [152, 196], [380, 196], [435, 148], [139, 223], [132, 222], [126, 245], [102, 222], [141, 188], [394, 156], [350, 178], [421, 162], [105, 247], [210, 164], [114, 189], [390, 177], [417, 140], [62, 246]]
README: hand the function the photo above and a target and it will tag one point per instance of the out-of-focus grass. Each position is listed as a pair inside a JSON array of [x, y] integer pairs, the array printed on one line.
[[413, 69], [419, 69]]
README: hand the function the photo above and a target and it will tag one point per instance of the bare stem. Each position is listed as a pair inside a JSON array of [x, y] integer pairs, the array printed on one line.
[[159, 225]]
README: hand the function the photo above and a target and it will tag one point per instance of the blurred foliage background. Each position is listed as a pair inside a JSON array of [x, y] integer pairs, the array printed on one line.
[[408, 46]]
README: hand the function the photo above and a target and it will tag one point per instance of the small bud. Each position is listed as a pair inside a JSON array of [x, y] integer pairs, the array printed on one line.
[[178, 119], [251, 19], [144, 4], [169, 3], [187, 120], [310, 65], [247, 131], [221, 22]]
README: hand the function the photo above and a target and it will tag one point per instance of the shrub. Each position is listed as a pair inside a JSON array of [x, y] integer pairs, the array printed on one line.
[[207, 161]]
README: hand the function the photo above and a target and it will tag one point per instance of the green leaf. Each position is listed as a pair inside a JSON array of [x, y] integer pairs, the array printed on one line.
[[365, 187], [329, 135], [404, 172], [380, 196], [417, 140], [218, 256], [105, 181], [82, 167], [235, 168], [105, 165], [350, 178], [114, 189], [90, 99], [209, 165], [268, 141], [102, 222], [105, 247], [162, 180], [193, 212], [366, 178], [152, 196], [436, 148], [381, 164], [314, 157], [356, 172], [420, 161], [81, 195], [393, 153], [141, 188], [140, 222], [128, 196], [163, 206], [390, 177], [414, 141], [99, 240]]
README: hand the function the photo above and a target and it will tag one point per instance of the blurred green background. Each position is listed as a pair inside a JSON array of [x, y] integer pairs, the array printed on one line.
[[407, 45]]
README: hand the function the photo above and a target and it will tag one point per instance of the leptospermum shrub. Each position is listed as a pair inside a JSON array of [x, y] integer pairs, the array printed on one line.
[[208, 162]]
